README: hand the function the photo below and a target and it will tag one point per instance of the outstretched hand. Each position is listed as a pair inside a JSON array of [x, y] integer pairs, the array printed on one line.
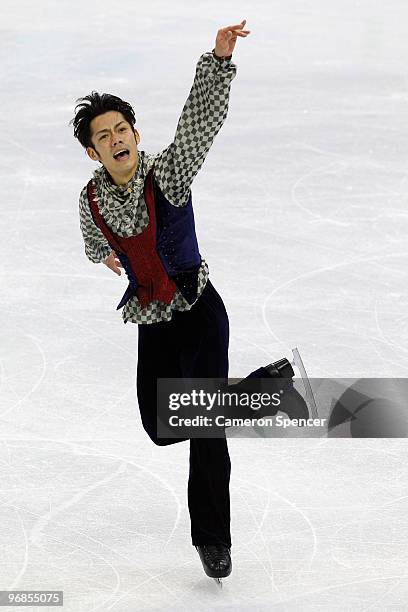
[[113, 262], [227, 37]]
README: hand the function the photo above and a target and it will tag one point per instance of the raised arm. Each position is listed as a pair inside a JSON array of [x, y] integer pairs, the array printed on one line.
[[203, 115]]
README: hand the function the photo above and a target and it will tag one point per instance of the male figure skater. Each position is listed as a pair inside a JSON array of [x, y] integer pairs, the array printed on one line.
[[136, 214]]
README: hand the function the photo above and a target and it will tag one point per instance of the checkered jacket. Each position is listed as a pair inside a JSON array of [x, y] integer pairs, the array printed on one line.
[[123, 207]]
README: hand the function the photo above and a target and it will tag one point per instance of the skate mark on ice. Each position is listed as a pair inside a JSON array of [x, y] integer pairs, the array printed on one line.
[[311, 274], [37, 383]]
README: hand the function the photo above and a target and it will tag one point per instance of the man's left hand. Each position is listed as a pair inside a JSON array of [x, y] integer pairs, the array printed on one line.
[[227, 37]]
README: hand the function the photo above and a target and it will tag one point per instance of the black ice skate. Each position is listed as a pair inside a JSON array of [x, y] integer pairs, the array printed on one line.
[[216, 560], [293, 403]]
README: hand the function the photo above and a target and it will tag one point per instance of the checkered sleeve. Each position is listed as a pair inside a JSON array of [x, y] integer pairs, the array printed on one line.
[[96, 246], [203, 114]]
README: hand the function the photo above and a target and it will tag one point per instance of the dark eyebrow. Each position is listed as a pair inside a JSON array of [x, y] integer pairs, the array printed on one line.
[[106, 129]]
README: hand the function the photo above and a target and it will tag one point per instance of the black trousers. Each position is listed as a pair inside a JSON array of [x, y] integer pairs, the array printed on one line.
[[193, 344]]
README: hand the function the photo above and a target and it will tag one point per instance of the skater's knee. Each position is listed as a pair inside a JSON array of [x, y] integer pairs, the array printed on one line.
[[156, 440], [153, 436], [160, 441]]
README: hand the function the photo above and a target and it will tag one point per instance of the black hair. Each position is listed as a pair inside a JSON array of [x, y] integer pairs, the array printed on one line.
[[93, 105]]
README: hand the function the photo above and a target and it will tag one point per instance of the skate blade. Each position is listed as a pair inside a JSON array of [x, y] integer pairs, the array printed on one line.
[[297, 361], [219, 582]]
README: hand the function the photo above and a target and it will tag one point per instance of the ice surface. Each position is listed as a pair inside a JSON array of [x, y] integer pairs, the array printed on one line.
[[301, 211]]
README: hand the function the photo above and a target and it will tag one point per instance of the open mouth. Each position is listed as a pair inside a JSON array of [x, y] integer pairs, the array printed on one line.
[[122, 155]]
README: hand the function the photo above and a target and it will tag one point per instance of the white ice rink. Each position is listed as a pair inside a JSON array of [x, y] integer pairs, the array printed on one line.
[[301, 213]]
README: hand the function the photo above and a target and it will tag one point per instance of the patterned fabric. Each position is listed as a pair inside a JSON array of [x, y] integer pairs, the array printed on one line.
[[124, 208]]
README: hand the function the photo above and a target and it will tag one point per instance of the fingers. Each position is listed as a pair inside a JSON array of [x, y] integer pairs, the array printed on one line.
[[236, 31], [113, 267], [113, 263], [235, 27], [116, 260], [243, 34], [238, 26], [116, 267]]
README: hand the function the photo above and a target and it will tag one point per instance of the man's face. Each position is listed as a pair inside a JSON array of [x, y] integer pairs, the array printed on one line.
[[111, 134]]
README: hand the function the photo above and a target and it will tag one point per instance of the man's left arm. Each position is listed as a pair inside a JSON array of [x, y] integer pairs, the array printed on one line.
[[203, 115]]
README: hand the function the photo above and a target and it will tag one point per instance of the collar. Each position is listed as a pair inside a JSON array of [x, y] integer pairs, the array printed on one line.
[[122, 192]]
